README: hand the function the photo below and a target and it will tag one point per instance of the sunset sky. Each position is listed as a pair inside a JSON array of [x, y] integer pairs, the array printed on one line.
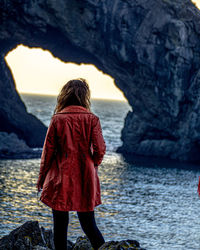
[[197, 2], [37, 71]]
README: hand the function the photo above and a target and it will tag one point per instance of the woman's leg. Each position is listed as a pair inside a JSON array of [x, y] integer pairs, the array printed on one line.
[[60, 225], [90, 228]]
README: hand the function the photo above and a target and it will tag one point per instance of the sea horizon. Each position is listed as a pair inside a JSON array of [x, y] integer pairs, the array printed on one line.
[[55, 95]]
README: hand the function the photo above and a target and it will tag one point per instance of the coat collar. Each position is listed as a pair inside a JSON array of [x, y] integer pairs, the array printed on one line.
[[74, 108]]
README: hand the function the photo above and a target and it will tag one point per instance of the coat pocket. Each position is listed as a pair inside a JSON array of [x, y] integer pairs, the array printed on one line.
[[52, 182]]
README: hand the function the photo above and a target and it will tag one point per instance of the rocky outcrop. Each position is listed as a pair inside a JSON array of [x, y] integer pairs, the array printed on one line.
[[12, 147], [13, 115], [83, 243], [30, 236], [151, 48], [165, 94]]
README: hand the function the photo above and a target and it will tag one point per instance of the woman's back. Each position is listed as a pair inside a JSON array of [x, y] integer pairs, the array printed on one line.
[[74, 125], [72, 183]]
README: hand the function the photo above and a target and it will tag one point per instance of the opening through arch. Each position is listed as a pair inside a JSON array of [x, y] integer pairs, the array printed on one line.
[[37, 71], [39, 77]]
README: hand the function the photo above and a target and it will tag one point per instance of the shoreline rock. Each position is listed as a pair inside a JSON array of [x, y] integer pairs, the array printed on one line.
[[11, 147], [30, 236]]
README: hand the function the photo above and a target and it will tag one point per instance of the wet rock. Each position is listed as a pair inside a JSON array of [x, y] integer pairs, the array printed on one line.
[[30, 236], [24, 237], [84, 244], [121, 245], [151, 49], [48, 237]]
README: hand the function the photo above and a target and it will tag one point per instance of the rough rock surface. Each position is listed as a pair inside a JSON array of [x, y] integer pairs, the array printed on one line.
[[27, 236], [13, 147], [13, 115], [121, 245], [30, 236], [84, 244], [150, 47]]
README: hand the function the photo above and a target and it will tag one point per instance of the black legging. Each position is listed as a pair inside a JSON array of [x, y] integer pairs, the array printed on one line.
[[88, 224]]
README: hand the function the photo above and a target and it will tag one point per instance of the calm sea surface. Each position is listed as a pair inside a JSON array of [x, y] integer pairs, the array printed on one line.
[[155, 204]]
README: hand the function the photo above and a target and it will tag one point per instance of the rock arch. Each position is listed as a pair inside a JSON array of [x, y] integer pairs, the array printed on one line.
[[151, 49]]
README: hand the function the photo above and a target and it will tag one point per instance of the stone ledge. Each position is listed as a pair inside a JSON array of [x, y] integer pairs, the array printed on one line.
[[30, 236]]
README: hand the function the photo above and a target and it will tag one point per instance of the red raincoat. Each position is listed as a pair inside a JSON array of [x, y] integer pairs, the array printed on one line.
[[74, 147]]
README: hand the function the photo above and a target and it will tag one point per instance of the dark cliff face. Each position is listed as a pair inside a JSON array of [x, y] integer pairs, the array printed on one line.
[[13, 115], [150, 47]]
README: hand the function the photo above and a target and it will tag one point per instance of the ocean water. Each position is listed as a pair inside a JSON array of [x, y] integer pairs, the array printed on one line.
[[151, 202]]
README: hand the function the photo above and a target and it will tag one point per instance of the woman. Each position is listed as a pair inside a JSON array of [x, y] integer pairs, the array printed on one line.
[[73, 149]]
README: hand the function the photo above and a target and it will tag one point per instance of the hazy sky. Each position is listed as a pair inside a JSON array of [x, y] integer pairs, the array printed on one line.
[[37, 71], [197, 2]]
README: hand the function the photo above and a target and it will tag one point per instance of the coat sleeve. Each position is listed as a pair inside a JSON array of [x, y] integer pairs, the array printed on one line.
[[98, 143], [49, 149]]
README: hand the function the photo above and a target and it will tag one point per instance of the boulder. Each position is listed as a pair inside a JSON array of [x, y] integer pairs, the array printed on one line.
[[121, 245], [84, 244], [26, 236], [30, 236]]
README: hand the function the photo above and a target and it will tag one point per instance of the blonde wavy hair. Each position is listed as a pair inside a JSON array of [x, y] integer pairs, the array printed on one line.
[[74, 92]]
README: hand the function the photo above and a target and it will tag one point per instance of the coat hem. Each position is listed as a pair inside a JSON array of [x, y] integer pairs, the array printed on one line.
[[55, 207]]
